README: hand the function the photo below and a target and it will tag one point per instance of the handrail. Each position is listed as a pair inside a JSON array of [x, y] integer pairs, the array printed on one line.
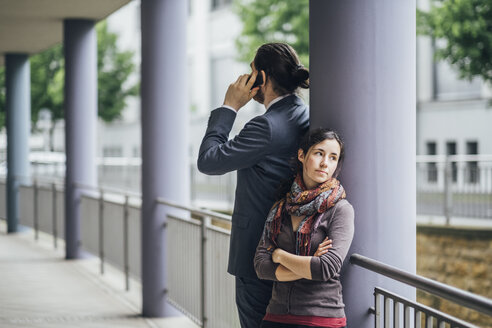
[[109, 190], [196, 211], [159, 200], [453, 294]]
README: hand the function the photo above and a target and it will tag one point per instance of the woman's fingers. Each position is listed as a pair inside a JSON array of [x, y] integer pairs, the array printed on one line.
[[326, 242], [323, 247]]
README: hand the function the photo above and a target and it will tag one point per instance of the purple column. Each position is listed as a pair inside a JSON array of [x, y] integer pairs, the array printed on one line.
[[80, 46], [362, 73], [165, 149]]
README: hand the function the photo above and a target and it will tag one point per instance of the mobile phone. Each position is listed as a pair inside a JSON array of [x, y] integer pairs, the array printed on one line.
[[259, 80]]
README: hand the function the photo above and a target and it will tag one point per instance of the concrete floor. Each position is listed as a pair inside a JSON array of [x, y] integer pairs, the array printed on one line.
[[38, 288]]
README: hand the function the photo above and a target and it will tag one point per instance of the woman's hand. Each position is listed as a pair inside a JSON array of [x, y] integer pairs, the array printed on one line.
[[277, 255], [239, 93], [323, 247]]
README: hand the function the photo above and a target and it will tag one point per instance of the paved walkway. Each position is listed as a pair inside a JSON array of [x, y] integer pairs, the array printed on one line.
[[38, 288]]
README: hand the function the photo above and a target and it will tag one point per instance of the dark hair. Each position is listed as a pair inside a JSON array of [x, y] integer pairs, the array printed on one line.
[[281, 63], [310, 139]]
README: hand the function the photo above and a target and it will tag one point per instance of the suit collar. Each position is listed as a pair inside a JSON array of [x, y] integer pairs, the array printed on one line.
[[291, 99]]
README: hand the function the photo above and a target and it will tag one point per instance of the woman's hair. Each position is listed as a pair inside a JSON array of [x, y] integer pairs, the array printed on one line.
[[315, 137], [310, 139], [281, 63]]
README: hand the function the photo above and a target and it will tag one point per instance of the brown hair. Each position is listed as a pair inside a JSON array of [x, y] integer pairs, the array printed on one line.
[[281, 64]]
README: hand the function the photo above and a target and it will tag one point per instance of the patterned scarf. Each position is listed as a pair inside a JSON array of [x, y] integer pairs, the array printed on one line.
[[302, 201]]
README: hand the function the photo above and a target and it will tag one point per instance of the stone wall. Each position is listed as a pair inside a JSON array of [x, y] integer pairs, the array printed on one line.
[[460, 257]]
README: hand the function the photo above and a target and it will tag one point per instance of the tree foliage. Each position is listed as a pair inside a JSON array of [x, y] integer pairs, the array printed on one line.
[[466, 27], [273, 21], [47, 79], [114, 68]]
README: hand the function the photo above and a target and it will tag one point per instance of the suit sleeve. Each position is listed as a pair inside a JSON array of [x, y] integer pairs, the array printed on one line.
[[218, 155], [264, 266], [341, 231]]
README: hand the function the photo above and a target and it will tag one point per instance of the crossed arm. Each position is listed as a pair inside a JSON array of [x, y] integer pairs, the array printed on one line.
[[293, 267], [273, 263]]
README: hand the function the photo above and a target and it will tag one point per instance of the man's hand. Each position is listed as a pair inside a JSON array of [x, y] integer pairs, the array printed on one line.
[[323, 247], [239, 93]]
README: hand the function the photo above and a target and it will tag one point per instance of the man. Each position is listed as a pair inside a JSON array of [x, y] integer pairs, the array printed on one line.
[[261, 154]]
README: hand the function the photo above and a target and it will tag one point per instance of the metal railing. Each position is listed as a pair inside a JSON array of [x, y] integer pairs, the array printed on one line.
[[457, 186], [198, 234], [125, 173], [213, 250], [389, 306], [110, 229], [454, 186]]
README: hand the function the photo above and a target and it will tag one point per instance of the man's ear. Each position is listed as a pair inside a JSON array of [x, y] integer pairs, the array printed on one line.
[[263, 75]]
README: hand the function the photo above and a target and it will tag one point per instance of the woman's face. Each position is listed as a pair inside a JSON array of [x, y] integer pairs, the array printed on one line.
[[320, 162]]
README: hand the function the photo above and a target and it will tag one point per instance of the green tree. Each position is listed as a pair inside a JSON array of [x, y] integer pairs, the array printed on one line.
[[47, 80], [466, 26], [273, 21], [114, 69], [46, 85]]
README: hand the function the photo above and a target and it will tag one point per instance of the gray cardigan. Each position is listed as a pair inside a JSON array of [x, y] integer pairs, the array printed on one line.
[[321, 296]]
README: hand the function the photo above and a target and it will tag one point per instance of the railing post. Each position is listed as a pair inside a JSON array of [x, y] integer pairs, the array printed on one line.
[[377, 307], [35, 207], [448, 196], [418, 319], [429, 321], [407, 317], [101, 229], [193, 183], [55, 220], [125, 244], [203, 263], [387, 312], [396, 314]]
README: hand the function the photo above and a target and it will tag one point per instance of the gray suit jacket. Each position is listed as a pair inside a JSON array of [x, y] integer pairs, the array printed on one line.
[[261, 154]]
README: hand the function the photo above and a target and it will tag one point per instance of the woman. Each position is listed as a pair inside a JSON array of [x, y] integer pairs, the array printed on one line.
[[307, 290]]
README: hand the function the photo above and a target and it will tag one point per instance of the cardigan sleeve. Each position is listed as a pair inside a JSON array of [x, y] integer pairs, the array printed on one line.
[[341, 232], [218, 155], [264, 266]]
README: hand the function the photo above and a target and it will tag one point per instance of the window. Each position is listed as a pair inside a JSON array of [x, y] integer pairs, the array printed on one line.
[[451, 150], [448, 85], [472, 172], [216, 4], [432, 166], [112, 151]]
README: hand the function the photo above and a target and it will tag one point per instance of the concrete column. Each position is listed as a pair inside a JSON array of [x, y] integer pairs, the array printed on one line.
[[80, 46], [362, 73], [18, 101], [165, 168]]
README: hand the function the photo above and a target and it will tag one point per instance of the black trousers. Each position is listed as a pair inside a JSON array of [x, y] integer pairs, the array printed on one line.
[[270, 324], [252, 297]]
